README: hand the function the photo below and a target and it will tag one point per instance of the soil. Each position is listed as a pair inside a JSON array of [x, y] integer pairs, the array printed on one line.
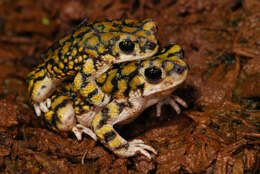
[[218, 133]]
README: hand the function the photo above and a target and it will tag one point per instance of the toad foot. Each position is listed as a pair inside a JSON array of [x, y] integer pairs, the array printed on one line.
[[171, 101], [79, 129], [42, 107], [134, 147]]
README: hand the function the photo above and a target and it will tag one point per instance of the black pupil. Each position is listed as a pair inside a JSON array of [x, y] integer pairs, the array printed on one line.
[[127, 46], [153, 74]]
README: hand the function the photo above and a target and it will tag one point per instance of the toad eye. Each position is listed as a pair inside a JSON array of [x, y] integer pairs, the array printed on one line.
[[153, 74], [127, 46]]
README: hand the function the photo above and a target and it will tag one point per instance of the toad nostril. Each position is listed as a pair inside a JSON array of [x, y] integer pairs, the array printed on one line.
[[150, 45], [178, 69]]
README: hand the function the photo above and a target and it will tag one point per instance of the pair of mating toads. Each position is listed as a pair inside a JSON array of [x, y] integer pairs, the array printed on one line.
[[106, 73]]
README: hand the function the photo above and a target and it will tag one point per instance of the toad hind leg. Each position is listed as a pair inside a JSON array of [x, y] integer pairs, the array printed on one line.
[[103, 127], [61, 117]]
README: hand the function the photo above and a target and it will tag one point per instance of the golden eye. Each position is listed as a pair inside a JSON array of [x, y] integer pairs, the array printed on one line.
[[127, 46], [153, 74]]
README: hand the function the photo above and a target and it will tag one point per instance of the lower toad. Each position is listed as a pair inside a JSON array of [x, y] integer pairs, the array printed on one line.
[[132, 87]]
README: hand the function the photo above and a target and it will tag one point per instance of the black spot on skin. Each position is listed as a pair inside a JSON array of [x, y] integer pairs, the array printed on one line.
[[61, 105], [92, 93], [40, 78], [105, 116], [109, 136], [179, 54], [121, 106], [51, 124], [129, 78], [105, 111], [114, 82], [54, 119], [101, 123], [101, 84], [141, 87], [168, 47], [150, 45], [84, 84]]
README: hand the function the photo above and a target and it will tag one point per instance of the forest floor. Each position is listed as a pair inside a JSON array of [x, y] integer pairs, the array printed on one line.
[[218, 133]]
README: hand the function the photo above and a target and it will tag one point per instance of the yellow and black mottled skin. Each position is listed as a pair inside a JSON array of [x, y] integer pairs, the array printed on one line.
[[121, 79], [125, 80], [133, 86], [90, 50]]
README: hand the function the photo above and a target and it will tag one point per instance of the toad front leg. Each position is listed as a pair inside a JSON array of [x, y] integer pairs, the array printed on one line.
[[41, 86], [103, 122], [61, 117]]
